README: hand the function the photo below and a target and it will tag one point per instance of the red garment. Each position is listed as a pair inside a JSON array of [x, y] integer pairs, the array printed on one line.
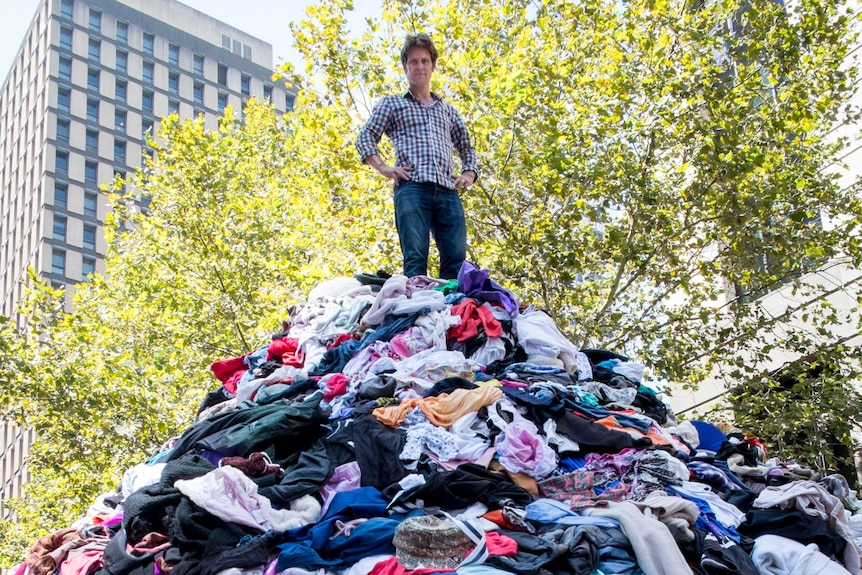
[[339, 340], [336, 385], [287, 349], [499, 544], [472, 316], [229, 372]]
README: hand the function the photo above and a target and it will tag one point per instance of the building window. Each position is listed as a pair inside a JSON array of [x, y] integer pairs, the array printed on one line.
[[64, 99], [59, 231], [63, 131], [88, 267], [122, 62], [66, 38], [222, 74], [66, 7], [148, 70], [122, 33], [93, 141], [65, 68], [222, 102], [147, 101], [120, 151], [246, 51], [91, 170], [147, 128], [93, 79], [245, 85], [95, 20], [120, 120], [199, 65], [149, 42], [89, 237], [62, 161], [93, 110], [61, 195], [120, 90], [95, 49], [174, 82], [267, 92], [289, 100], [199, 93], [58, 262], [174, 54], [90, 204], [173, 107]]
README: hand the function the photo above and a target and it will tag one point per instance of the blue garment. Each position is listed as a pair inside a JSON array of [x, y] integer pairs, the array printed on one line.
[[707, 521], [423, 208], [553, 511], [624, 419]]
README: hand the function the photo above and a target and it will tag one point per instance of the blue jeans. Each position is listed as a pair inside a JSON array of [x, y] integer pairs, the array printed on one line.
[[422, 208]]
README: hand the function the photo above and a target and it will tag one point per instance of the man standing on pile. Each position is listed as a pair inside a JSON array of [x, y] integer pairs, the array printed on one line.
[[424, 130]]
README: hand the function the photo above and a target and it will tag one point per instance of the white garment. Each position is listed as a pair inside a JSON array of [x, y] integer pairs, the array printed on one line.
[[333, 288], [140, 476], [394, 289], [775, 555], [230, 495], [726, 513], [446, 446], [815, 500], [538, 335], [423, 370]]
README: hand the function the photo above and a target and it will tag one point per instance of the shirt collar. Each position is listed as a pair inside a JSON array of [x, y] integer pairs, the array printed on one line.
[[409, 94]]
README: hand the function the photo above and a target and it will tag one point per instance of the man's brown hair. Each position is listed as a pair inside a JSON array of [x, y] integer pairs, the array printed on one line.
[[421, 40]]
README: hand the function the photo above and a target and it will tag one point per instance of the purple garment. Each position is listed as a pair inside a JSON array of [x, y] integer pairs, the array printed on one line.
[[477, 284], [523, 450]]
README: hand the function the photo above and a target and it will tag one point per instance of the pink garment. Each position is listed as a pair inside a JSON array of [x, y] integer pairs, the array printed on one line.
[[522, 450], [499, 544], [229, 372], [88, 560], [391, 566], [336, 385], [472, 316], [345, 477]]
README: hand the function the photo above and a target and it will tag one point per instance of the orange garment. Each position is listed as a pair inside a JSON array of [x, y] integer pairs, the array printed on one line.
[[442, 410]]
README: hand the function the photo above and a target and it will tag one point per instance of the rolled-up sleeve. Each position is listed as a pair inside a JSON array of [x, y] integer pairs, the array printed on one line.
[[369, 136], [461, 142]]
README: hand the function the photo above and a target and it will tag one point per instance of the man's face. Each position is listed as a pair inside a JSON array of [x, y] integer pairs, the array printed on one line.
[[418, 67]]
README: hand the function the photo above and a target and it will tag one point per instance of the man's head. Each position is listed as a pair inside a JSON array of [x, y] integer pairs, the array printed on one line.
[[419, 59], [421, 41]]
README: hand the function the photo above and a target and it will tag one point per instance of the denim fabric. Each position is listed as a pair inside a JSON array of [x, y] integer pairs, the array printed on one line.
[[422, 208]]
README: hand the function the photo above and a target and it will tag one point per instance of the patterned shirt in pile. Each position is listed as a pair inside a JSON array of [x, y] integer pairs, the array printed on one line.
[[423, 137]]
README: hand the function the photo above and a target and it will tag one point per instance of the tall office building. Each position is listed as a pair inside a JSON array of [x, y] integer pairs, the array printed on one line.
[[91, 77]]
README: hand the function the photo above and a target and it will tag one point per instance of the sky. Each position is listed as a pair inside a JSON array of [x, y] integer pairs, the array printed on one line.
[[265, 19]]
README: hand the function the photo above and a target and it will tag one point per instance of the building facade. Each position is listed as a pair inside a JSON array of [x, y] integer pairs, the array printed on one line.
[[91, 78]]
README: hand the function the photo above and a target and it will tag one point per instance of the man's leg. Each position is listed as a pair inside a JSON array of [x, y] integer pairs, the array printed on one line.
[[413, 203], [450, 231]]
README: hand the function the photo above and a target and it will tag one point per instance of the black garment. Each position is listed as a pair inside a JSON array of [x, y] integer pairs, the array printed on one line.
[[534, 554], [244, 415], [746, 450], [709, 556], [449, 385], [796, 525], [116, 561], [460, 488], [152, 508], [251, 554], [378, 448], [596, 356], [306, 476], [595, 438]]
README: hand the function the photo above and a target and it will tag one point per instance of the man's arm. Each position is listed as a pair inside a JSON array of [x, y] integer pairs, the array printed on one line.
[[369, 136], [461, 141]]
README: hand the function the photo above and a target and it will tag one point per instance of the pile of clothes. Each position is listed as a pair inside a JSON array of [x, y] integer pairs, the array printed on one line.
[[413, 426]]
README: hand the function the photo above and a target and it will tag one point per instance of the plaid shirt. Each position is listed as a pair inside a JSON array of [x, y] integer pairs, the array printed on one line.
[[423, 136]]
